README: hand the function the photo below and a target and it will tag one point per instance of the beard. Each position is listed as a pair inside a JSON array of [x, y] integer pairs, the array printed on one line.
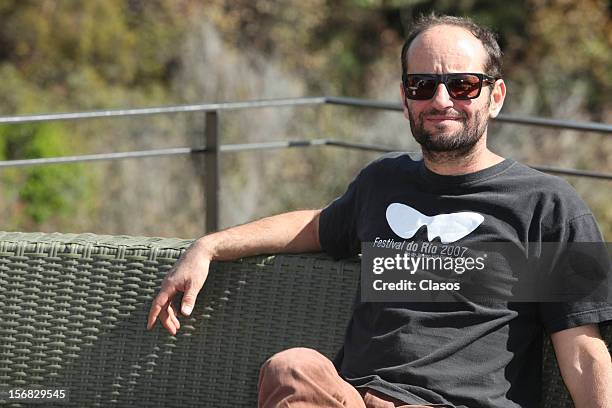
[[457, 143]]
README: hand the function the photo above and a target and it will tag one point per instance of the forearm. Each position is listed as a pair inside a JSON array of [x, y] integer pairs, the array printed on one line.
[[585, 365], [591, 383], [291, 232], [297, 231]]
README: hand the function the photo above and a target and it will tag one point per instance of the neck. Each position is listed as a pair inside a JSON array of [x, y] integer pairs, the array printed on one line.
[[457, 162]]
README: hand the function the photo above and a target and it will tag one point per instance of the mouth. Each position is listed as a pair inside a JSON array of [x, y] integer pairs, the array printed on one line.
[[443, 118]]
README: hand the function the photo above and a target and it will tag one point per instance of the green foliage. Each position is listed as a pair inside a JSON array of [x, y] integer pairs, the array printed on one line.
[[45, 191]]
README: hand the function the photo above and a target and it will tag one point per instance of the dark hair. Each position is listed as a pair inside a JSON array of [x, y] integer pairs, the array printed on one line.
[[493, 65]]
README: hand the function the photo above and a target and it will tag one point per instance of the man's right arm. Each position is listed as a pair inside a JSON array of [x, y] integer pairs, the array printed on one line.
[[292, 232]]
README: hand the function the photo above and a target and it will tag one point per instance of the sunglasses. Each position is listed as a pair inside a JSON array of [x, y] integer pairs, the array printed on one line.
[[458, 85]]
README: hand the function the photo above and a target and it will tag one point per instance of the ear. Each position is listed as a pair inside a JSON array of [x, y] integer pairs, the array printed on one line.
[[498, 95], [404, 101]]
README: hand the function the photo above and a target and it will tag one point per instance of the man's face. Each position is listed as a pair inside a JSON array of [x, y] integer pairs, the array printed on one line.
[[444, 124]]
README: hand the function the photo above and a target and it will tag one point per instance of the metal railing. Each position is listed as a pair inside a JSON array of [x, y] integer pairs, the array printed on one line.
[[211, 148]]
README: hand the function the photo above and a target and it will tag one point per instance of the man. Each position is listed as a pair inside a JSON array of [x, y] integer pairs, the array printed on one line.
[[429, 353]]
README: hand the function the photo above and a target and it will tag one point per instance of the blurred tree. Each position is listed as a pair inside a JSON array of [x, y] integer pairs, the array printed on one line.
[[569, 52], [41, 192], [75, 55]]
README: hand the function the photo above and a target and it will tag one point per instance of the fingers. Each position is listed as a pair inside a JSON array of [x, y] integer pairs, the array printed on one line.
[[191, 293], [160, 302], [169, 320], [163, 309], [187, 276]]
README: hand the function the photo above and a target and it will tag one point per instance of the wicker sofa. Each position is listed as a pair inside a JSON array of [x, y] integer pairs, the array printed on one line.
[[74, 312]]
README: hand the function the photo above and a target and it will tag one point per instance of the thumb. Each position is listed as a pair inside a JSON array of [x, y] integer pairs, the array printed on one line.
[[189, 299]]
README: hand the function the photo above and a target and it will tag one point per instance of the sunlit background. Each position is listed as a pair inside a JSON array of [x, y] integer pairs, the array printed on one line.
[[73, 55]]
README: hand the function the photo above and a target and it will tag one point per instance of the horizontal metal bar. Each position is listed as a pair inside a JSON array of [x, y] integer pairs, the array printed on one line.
[[360, 146], [101, 156], [228, 148], [573, 172], [546, 169], [256, 146], [363, 103], [271, 145], [159, 152], [287, 102], [503, 118], [556, 123], [303, 143], [207, 107]]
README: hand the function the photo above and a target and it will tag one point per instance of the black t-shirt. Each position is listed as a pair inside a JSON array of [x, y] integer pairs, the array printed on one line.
[[459, 354]]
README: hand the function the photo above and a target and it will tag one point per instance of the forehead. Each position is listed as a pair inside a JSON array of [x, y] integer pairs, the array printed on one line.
[[446, 48]]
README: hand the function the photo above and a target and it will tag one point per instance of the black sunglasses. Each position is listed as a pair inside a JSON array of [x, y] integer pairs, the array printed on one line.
[[459, 85]]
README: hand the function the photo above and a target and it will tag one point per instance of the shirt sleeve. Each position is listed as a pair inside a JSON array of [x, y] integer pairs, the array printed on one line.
[[338, 223], [558, 316]]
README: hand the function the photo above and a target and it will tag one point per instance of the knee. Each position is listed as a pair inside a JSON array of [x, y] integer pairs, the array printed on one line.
[[295, 375], [295, 359]]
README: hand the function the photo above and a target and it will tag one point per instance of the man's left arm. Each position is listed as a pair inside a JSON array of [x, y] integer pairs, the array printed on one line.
[[585, 365]]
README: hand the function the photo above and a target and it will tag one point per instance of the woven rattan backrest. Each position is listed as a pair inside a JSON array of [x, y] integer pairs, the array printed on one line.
[[74, 312]]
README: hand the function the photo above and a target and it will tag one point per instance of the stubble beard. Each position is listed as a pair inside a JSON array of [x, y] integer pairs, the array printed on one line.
[[449, 146]]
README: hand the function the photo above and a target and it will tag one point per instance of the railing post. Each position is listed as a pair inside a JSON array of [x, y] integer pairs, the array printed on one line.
[[211, 171]]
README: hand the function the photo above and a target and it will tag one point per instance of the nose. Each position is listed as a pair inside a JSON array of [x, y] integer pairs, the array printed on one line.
[[441, 99]]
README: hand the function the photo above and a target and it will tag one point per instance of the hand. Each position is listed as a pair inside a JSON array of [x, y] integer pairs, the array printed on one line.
[[187, 276]]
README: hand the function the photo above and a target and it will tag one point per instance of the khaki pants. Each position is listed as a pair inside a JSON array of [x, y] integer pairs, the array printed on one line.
[[304, 378]]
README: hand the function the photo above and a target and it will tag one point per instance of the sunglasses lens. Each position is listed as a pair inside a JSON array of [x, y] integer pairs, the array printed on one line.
[[420, 86], [464, 86]]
